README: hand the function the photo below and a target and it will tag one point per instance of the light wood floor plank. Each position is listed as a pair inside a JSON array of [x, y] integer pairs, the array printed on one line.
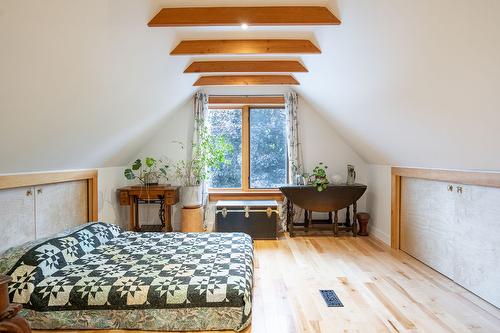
[[382, 290]]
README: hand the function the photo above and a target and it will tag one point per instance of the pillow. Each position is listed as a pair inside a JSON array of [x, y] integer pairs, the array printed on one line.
[[10, 256], [33, 261]]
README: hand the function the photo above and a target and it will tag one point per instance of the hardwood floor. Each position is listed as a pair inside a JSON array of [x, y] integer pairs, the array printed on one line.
[[382, 290]]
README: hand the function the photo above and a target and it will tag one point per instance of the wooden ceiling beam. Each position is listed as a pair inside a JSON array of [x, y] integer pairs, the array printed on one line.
[[245, 80], [272, 66], [245, 46], [235, 16]]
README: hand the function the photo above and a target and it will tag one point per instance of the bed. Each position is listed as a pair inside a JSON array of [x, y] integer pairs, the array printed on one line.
[[98, 276]]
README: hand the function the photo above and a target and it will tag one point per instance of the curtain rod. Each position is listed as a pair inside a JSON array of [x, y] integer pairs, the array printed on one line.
[[237, 95]]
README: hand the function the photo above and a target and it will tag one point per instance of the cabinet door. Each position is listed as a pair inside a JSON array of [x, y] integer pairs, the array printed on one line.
[[17, 214], [60, 206], [477, 260], [427, 223]]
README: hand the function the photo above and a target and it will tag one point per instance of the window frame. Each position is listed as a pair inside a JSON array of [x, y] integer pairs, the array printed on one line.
[[245, 192]]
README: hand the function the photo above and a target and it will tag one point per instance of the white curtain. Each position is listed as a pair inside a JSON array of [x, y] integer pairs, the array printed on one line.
[[200, 115], [295, 162], [294, 147]]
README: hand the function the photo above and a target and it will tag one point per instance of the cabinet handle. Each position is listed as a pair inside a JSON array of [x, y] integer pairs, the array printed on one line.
[[460, 189], [450, 188], [39, 191], [29, 192]]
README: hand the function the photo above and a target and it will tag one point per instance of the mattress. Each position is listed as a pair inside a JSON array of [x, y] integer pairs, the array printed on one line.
[[101, 277]]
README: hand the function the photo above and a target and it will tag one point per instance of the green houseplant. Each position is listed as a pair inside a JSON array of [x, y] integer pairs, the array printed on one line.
[[318, 177], [208, 154], [148, 171]]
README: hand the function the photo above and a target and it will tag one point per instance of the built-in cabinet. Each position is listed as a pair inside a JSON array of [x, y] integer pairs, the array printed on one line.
[[28, 213], [16, 213], [454, 229]]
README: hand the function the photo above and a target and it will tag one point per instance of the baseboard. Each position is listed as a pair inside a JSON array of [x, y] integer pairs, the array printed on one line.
[[380, 235]]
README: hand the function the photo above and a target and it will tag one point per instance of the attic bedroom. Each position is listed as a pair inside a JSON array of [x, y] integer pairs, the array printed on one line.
[[252, 166]]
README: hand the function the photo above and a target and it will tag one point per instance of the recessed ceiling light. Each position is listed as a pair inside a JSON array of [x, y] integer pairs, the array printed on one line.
[[244, 26]]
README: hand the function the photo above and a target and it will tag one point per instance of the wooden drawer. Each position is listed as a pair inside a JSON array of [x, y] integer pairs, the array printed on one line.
[[172, 194], [170, 201], [124, 199]]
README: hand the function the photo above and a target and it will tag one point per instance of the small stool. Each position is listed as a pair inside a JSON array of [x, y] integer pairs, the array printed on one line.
[[363, 219], [192, 220]]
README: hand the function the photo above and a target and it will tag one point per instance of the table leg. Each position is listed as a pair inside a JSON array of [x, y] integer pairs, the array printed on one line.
[[136, 219], [309, 221], [161, 213], [168, 218], [132, 215], [335, 223], [348, 217], [354, 219]]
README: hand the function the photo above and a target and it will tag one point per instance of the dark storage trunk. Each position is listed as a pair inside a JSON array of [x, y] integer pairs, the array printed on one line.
[[256, 218]]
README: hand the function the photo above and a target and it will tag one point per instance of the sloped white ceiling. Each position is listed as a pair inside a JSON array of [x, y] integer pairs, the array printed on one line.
[[86, 83]]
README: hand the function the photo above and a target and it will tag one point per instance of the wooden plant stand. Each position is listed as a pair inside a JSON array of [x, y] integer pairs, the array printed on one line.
[[192, 219]]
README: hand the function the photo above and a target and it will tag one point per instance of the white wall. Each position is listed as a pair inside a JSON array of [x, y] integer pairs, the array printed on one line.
[[83, 83], [378, 201], [110, 211], [412, 83]]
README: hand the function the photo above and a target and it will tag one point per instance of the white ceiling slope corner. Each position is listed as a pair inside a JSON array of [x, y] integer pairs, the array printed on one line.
[[86, 83], [413, 83], [83, 83]]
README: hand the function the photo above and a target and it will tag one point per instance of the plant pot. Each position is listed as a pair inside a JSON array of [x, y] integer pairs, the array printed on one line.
[[191, 196], [152, 178]]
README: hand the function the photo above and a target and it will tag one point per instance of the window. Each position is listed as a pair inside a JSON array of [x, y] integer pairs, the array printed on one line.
[[268, 154], [258, 135], [228, 123]]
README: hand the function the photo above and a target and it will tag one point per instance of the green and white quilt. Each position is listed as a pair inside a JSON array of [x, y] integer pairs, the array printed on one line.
[[102, 277]]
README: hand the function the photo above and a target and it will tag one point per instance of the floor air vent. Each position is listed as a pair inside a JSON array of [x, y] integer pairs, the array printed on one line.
[[331, 299]]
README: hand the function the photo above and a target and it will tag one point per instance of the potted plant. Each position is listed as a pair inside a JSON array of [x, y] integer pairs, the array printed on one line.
[[148, 171], [208, 154], [318, 177]]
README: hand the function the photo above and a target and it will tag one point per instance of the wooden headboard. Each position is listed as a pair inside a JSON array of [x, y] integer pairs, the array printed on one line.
[[36, 205]]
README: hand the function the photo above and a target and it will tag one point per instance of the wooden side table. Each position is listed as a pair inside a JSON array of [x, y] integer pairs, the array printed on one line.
[[166, 196], [9, 320], [192, 219]]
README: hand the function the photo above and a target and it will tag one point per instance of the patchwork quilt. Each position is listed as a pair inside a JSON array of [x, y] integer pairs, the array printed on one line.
[[102, 277]]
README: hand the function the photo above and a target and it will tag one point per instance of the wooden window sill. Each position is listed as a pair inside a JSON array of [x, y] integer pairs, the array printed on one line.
[[227, 194]]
